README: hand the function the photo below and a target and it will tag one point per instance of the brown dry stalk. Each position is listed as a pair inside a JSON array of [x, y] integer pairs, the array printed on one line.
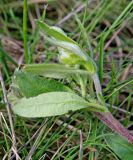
[[14, 149]]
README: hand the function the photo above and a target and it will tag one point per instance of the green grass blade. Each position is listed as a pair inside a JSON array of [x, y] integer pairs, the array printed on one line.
[[26, 54]]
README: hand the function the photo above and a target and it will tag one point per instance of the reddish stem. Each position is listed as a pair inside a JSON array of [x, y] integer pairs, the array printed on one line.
[[115, 125], [107, 117]]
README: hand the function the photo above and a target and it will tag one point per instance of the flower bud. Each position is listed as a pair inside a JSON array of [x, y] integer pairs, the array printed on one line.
[[69, 51]]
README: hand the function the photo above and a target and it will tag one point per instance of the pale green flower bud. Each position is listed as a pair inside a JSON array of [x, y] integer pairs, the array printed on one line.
[[69, 51]]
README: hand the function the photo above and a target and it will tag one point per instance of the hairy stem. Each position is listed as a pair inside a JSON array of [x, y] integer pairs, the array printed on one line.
[[83, 89], [97, 85], [107, 118]]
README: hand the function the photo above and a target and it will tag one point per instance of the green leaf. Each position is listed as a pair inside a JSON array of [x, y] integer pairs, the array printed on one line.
[[51, 104], [120, 146], [32, 85], [54, 70], [54, 33]]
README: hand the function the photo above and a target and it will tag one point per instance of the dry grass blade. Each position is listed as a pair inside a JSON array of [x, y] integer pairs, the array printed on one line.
[[14, 149], [34, 147], [80, 8], [81, 146]]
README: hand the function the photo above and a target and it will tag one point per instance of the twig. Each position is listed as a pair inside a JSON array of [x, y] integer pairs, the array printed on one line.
[[113, 37], [9, 116]]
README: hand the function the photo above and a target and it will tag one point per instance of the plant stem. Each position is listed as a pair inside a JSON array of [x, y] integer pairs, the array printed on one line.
[[82, 85], [25, 31], [97, 85], [107, 118]]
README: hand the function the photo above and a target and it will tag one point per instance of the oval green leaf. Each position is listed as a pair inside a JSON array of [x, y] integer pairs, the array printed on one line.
[[122, 148], [49, 104], [53, 104]]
